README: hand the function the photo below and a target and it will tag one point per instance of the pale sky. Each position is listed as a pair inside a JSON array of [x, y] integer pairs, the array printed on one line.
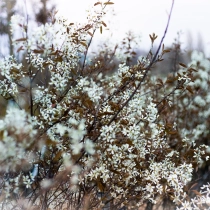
[[144, 17]]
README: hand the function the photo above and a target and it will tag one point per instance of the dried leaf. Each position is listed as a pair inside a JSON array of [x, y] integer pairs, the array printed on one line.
[[21, 39], [100, 186], [179, 75], [166, 51], [38, 51], [57, 156], [126, 52], [150, 37], [169, 80], [108, 2], [160, 81], [194, 185], [183, 65], [192, 69], [90, 33], [88, 26], [97, 3], [74, 71], [103, 23], [197, 193], [20, 48], [101, 29], [84, 44], [172, 132], [53, 53], [58, 59], [153, 37], [189, 89]]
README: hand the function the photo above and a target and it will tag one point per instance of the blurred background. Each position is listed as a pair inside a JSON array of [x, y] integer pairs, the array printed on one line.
[[190, 19]]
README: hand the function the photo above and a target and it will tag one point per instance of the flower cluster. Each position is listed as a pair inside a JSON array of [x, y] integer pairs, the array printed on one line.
[[201, 201], [74, 131]]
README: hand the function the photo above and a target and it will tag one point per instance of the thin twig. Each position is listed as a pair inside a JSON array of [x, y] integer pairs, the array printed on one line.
[[86, 52], [89, 43], [147, 69]]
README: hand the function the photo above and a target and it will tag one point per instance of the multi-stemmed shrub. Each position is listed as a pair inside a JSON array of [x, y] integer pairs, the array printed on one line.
[[80, 132]]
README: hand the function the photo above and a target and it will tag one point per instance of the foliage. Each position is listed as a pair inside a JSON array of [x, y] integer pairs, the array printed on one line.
[[39, 9], [82, 135]]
